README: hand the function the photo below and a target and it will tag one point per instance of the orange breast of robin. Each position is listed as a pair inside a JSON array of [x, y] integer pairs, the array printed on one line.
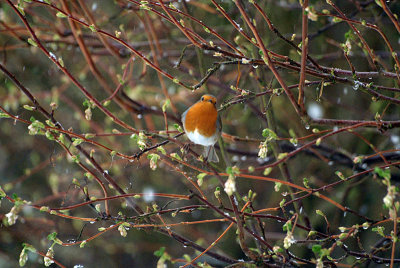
[[203, 117]]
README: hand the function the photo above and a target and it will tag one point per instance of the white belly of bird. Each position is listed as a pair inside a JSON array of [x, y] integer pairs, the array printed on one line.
[[197, 138]]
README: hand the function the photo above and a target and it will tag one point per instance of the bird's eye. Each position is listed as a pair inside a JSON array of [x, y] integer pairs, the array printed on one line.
[[202, 98]]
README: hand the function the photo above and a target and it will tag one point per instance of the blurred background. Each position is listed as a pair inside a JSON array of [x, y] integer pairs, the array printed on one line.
[[116, 76]]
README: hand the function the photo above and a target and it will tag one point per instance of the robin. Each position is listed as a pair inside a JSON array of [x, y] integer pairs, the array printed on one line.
[[203, 125]]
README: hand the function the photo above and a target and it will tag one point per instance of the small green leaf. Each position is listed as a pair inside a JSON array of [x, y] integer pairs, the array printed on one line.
[[61, 138], [382, 173], [23, 258], [287, 226], [86, 103], [278, 186], [76, 158], [4, 115], [29, 247], [21, 9], [161, 150], [343, 235], [176, 156], [52, 236], [77, 141], [92, 27], [217, 192], [2, 193], [267, 171], [61, 15], [153, 160], [45, 209], [316, 249], [49, 123], [61, 62], [311, 233], [97, 207], [200, 178], [89, 136], [28, 107], [319, 212], [269, 134], [159, 252], [178, 127], [83, 244], [340, 175], [201, 175], [379, 230], [282, 155], [165, 105], [32, 42], [282, 202], [306, 182], [122, 230]]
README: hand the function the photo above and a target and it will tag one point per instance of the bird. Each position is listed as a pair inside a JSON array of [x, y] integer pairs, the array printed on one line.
[[202, 125]]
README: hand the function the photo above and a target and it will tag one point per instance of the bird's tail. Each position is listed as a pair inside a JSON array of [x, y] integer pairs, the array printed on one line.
[[210, 154]]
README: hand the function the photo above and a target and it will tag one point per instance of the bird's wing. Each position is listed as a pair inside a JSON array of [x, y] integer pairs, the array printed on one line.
[[219, 123]]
